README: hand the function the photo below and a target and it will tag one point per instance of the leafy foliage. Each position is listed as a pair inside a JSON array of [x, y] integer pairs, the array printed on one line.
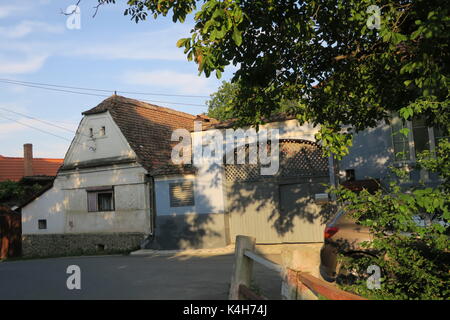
[[342, 74], [411, 237], [13, 193], [322, 53], [222, 105]]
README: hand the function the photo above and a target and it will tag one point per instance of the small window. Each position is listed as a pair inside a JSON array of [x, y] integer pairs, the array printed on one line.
[[350, 174], [400, 141], [421, 137], [100, 200], [102, 131], [91, 132], [42, 224], [181, 194]]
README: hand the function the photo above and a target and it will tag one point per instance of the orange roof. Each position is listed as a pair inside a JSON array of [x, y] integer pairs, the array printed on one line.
[[11, 168]]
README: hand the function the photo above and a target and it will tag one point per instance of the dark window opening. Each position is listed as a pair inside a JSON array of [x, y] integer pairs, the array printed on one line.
[[42, 224], [101, 200]]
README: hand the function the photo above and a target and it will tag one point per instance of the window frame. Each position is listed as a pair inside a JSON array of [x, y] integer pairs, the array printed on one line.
[[411, 143], [172, 199], [101, 190]]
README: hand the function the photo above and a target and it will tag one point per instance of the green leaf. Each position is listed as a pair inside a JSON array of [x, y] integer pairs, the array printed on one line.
[[237, 36]]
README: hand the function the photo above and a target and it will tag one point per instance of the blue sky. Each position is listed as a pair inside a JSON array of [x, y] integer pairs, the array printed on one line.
[[108, 52]]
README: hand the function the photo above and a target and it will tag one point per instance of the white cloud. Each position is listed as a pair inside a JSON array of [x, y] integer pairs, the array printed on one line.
[[26, 27], [8, 10], [158, 45], [9, 127], [186, 83], [19, 66]]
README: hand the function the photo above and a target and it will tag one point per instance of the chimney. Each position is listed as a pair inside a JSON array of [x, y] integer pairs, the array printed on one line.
[[28, 159]]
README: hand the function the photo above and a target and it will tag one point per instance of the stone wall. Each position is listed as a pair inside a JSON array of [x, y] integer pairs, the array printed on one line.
[[45, 245]]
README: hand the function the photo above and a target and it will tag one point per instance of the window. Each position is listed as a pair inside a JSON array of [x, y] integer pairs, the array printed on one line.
[[350, 174], [400, 141], [91, 132], [181, 194], [439, 135], [100, 199], [102, 131], [42, 224], [420, 136]]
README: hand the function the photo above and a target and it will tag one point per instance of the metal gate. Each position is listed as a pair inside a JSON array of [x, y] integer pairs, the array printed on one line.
[[279, 208]]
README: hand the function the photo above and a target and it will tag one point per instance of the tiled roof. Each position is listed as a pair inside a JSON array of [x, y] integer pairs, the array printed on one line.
[[148, 129], [214, 124], [12, 168]]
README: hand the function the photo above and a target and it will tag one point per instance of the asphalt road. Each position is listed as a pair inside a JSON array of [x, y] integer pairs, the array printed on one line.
[[129, 277]]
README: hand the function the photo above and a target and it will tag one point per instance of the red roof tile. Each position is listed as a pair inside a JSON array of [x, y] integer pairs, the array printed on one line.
[[11, 168]]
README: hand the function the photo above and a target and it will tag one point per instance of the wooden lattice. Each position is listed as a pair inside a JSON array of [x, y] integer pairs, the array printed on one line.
[[298, 158]]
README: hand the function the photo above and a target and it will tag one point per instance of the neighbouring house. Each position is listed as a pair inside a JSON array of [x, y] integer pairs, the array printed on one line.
[[32, 169], [374, 150], [118, 188]]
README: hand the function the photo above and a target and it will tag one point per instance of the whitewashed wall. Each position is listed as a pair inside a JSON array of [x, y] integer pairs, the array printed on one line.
[[64, 206], [208, 181], [112, 144], [208, 194], [49, 206]]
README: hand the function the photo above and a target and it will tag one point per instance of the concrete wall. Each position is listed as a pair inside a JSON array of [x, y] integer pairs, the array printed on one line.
[[190, 231], [49, 206], [197, 226], [372, 152], [131, 200]]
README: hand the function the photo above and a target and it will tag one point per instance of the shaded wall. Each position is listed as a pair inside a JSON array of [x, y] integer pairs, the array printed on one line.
[[190, 231]]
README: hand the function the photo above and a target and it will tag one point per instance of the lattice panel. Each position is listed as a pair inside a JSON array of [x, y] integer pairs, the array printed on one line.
[[297, 158]]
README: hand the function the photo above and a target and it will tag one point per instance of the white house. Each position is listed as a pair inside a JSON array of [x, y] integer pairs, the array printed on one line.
[[119, 190]]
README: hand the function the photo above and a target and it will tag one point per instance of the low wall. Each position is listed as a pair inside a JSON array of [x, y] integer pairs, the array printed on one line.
[[45, 245], [189, 231]]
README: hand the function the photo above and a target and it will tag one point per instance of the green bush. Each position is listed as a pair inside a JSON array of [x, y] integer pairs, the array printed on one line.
[[411, 235], [13, 192]]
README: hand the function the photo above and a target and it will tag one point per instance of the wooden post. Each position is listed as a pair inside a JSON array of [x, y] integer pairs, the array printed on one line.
[[243, 266], [299, 258]]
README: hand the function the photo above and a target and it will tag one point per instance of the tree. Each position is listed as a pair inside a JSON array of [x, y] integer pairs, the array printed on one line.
[[220, 106], [224, 103], [327, 54], [345, 71]]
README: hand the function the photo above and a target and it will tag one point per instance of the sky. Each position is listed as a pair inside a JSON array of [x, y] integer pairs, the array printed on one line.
[[39, 44]]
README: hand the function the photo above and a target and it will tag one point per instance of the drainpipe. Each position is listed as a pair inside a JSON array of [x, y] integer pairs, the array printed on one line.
[[152, 210]]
